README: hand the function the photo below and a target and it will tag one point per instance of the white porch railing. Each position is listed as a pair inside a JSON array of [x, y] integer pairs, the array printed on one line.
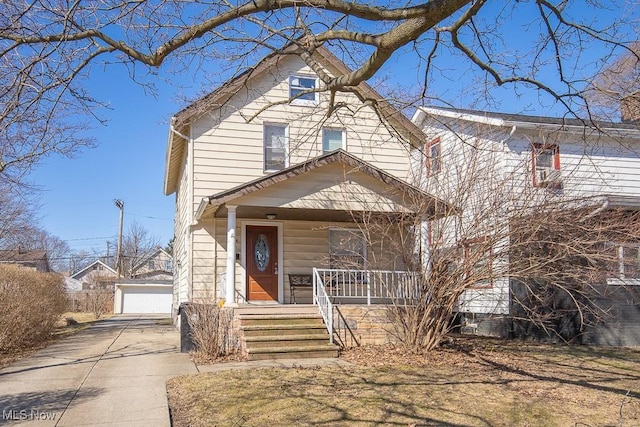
[[332, 286], [322, 300], [367, 286]]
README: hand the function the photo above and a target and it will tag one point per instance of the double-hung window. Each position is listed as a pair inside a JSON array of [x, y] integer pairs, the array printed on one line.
[[624, 260], [545, 165], [347, 249], [333, 139], [302, 90], [275, 147], [433, 163]]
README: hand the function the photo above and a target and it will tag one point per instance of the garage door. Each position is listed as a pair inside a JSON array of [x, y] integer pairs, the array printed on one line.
[[147, 299]]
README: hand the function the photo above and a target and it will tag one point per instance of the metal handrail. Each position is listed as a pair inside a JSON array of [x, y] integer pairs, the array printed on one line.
[[322, 300]]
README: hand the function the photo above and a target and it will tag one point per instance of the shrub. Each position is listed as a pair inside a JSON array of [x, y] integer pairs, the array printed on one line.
[[30, 305], [211, 329]]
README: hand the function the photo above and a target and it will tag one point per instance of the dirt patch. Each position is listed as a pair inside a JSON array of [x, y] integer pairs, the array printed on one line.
[[471, 382]]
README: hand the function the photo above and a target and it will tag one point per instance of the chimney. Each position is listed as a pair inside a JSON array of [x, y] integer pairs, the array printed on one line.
[[630, 108]]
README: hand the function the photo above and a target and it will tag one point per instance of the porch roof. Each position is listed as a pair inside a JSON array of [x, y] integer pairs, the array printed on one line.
[[332, 186]]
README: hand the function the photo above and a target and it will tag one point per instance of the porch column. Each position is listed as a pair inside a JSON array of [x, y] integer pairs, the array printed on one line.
[[230, 292]]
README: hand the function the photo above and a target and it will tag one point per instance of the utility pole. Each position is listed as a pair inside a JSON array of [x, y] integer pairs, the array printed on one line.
[[120, 205]]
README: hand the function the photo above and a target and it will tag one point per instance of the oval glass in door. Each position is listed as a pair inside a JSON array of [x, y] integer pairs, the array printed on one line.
[[261, 252]]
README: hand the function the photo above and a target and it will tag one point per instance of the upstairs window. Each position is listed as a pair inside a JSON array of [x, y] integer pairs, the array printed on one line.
[[332, 139], [300, 90], [152, 265], [275, 147], [433, 162], [545, 165], [168, 265]]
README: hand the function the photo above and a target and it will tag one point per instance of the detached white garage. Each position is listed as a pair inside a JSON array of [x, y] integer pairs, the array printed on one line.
[[143, 296]]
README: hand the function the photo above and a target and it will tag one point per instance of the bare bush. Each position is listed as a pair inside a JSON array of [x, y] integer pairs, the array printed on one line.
[[211, 329], [99, 300], [30, 305]]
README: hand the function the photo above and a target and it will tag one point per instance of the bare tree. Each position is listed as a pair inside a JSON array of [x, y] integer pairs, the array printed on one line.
[[539, 257], [77, 260], [16, 216], [137, 245], [99, 296], [32, 237], [50, 49], [618, 82]]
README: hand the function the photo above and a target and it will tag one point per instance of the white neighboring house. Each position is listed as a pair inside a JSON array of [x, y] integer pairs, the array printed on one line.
[[534, 158], [150, 289], [267, 186]]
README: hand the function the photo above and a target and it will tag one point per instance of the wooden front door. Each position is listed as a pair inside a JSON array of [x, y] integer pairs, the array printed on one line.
[[262, 263]]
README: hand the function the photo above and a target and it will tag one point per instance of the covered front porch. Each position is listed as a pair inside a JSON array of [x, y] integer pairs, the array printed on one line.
[[304, 235]]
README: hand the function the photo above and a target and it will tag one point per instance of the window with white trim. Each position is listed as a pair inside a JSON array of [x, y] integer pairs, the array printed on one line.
[[624, 260], [545, 165], [333, 139], [275, 147], [347, 249], [301, 90]]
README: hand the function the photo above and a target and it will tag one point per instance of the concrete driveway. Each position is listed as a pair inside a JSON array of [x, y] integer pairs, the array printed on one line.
[[112, 373]]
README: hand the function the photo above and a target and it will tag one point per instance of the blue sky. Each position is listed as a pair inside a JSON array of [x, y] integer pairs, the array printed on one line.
[[76, 198]]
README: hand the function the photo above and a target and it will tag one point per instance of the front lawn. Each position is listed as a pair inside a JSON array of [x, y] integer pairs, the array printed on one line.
[[474, 382]]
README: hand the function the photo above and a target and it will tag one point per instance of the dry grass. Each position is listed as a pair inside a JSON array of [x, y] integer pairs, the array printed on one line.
[[471, 383], [64, 328]]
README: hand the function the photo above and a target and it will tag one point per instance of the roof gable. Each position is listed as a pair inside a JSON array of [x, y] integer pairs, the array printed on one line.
[[355, 179], [90, 266], [178, 137], [153, 255]]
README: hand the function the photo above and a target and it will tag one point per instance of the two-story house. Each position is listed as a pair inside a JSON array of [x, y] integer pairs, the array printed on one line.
[[570, 179], [271, 175]]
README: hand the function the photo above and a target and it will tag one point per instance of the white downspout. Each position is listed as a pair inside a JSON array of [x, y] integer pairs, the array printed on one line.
[[189, 238]]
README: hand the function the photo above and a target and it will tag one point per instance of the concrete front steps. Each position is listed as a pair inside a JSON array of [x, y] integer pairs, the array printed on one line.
[[284, 332]]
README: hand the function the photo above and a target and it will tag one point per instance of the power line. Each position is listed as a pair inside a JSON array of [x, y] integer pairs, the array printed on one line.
[[89, 238]]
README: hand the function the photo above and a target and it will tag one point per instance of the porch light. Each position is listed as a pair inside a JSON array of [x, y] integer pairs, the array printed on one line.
[[271, 216]]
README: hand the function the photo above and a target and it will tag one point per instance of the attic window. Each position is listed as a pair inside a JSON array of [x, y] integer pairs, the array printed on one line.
[[300, 88]]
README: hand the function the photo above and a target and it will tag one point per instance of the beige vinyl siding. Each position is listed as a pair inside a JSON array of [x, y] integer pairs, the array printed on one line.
[[204, 256], [229, 150], [306, 245], [181, 223], [332, 186]]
